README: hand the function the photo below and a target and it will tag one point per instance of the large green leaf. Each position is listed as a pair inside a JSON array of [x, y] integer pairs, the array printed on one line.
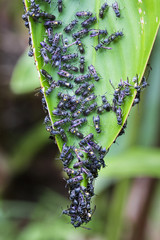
[[128, 57], [139, 22]]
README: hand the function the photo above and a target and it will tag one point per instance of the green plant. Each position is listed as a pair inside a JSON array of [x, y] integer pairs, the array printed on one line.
[[138, 25]]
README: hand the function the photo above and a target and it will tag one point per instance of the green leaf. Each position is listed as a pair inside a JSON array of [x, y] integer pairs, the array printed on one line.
[[136, 162], [128, 57], [24, 77]]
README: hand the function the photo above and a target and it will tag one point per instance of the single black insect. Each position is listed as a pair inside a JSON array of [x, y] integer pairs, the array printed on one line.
[[62, 134], [82, 61], [80, 34], [76, 132], [59, 112], [96, 121], [90, 109], [89, 98], [84, 14], [88, 90], [50, 34], [52, 86], [82, 78], [69, 57], [81, 88], [116, 9], [106, 105], [70, 67], [119, 116], [55, 23], [65, 84], [93, 72], [30, 53], [46, 75], [80, 45], [78, 122], [61, 122], [103, 8], [88, 22], [95, 33], [44, 55], [63, 73], [60, 3], [70, 26]]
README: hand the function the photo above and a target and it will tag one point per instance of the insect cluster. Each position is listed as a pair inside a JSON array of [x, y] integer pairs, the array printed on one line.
[[75, 97]]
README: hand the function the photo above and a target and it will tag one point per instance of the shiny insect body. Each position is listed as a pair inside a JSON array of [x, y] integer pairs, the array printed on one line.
[[65, 84], [103, 8], [93, 72], [82, 61], [63, 73], [84, 14], [70, 27], [88, 22], [116, 9], [76, 132], [96, 121], [70, 67], [55, 23]]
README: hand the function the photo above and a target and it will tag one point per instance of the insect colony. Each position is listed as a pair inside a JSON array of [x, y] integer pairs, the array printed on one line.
[[82, 162]]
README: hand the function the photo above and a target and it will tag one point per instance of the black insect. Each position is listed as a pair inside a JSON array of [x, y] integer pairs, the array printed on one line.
[[100, 46], [80, 34], [74, 180], [50, 34], [89, 98], [65, 84], [30, 53], [90, 109], [80, 45], [112, 37], [47, 16], [59, 2], [81, 88], [44, 55], [119, 116], [65, 152], [82, 61], [56, 40], [55, 23], [46, 75], [51, 130], [88, 90], [116, 9], [61, 122], [69, 28], [65, 74], [62, 134], [96, 121], [64, 97], [78, 112], [76, 132], [88, 22], [82, 78], [52, 86], [70, 67], [93, 72], [59, 112], [106, 105], [46, 119], [84, 14], [103, 8], [78, 122], [95, 33], [69, 57]]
